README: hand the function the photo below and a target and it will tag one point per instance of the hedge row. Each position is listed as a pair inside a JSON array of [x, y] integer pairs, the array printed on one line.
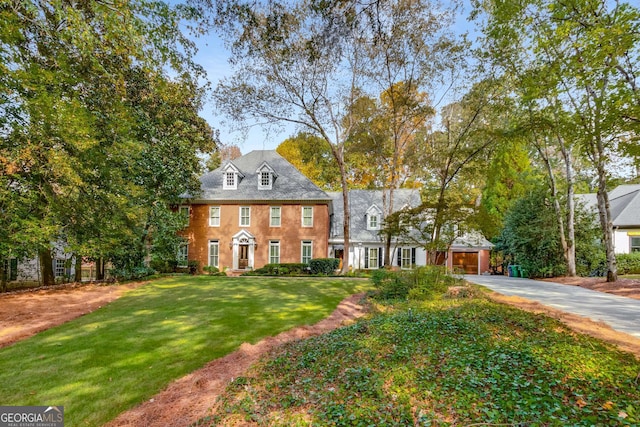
[[628, 263]]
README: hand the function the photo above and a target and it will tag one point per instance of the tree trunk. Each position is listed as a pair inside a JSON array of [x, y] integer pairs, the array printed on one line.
[[570, 251], [3, 275], [78, 269], [606, 226], [347, 215], [99, 269], [46, 267]]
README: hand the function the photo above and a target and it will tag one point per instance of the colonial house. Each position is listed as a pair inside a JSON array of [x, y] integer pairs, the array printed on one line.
[[469, 252], [256, 210], [624, 204]]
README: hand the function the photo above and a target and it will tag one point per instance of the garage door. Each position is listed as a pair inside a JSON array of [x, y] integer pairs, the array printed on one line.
[[467, 261]]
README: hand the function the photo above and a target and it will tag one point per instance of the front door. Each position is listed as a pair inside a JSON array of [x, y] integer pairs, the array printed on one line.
[[243, 257]]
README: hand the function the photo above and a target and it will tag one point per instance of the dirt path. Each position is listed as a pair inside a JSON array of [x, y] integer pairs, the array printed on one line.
[[190, 398], [23, 314]]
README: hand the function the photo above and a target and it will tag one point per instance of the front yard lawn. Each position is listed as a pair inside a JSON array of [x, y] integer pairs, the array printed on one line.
[[122, 354], [440, 363]]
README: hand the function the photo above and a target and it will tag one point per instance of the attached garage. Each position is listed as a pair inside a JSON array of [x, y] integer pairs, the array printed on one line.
[[467, 261]]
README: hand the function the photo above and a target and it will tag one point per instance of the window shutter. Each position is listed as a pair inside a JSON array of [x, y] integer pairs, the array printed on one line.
[[379, 257], [366, 257], [399, 250], [413, 256]]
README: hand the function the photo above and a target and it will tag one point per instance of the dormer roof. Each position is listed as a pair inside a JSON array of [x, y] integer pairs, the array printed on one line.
[[290, 185]]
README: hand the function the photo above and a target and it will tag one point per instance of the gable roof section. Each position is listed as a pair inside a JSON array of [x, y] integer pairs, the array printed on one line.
[[359, 203], [624, 204], [291, 185], [625, 209]]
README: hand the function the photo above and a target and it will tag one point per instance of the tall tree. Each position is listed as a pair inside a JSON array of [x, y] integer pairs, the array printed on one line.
[[82, 136], [588, 53], [311, 155]]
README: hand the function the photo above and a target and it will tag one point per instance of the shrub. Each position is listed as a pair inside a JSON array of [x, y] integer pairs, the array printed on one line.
[[419, 284], [213, 271], [194, 267], [628, 263], [286, 269], [325, 266]]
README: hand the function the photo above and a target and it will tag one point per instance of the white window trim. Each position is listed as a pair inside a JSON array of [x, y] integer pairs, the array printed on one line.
[[274, 244], [631, 245], [312, 215], [248, 224], [216, 244], [211, 223], [308, 244], [371, 226], [271, 217], [374, 258], [58, 267], [183, 262], [406, 265], [226, 184], [261, 185]]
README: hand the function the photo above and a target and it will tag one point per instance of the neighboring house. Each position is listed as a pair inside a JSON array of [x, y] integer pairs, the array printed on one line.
[[624, 204], [28, 270], [470, 252], [255, 210]]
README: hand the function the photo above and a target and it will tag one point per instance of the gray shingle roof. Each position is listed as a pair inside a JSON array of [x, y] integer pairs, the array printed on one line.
[[359, 202], [625, 209], [289, 185], [624, 203]]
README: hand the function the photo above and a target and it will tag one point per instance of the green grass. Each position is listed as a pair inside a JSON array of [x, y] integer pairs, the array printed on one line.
[[122, 354], [443, 363]]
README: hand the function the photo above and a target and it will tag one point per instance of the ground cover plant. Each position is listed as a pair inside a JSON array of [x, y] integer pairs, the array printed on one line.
[[446, 362], [122, 354]]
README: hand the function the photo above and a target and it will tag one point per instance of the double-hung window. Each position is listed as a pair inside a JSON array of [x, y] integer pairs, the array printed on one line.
[[214, 216], [276, 212], [307, 251], [214, 253], [245, 216], [307, 216], [373, 258], [634, 243], [274, 252], [183, 255], [59, 268]]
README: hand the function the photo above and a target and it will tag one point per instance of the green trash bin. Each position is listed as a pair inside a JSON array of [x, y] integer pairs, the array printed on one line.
[[524, 273], [516, 270]]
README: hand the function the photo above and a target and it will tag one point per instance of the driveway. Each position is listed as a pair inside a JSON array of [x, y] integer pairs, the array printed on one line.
[[621, 313]]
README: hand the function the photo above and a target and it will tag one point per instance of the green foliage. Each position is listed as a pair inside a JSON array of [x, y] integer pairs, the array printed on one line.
[[450, 362], [324, 266], [312, 156], [420, 284], [628, 263], [285, 269], [97, 140], [112, 359], [530, 238], [213, 271]]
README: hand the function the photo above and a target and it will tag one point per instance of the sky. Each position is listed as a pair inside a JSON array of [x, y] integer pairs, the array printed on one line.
[[214, 58]]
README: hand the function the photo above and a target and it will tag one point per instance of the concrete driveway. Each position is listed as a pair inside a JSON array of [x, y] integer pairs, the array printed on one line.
[[621, 313]]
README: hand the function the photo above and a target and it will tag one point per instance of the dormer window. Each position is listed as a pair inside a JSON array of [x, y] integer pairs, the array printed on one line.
[[230, 180], [266, 176], [231, 176], [265, 179], [373, 218]]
